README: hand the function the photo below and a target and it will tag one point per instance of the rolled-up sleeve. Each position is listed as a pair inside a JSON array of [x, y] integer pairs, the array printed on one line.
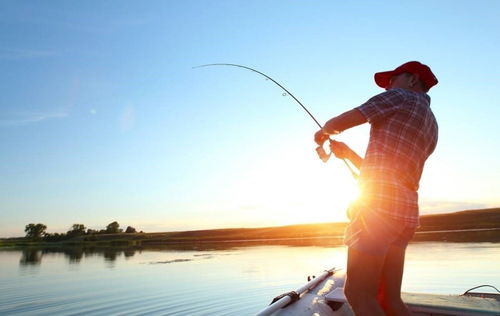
[[382, 105]]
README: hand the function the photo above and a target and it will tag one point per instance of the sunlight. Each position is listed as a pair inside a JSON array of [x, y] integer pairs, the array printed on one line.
[[298, 190]]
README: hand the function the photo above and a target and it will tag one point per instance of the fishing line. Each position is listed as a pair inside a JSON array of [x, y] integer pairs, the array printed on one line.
[[320, 150]]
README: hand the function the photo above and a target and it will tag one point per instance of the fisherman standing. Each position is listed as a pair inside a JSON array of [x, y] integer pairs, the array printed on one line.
[[383, 220]]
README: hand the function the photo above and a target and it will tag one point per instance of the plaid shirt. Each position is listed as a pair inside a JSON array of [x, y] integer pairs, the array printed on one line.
[[402, 136]]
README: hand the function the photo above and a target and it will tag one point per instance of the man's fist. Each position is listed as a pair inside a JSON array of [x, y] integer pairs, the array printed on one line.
[[321, 137], [340, 150]]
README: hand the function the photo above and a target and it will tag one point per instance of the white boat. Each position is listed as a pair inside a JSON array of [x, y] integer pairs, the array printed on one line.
[[324, 296]]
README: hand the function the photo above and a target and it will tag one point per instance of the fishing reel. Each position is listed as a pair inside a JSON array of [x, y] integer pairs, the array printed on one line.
[[322, 153], [325, 157]]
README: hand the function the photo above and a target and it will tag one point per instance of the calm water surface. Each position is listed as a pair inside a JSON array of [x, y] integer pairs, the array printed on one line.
[[224, 279]]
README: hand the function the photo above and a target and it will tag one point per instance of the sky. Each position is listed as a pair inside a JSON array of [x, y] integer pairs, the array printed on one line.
[[103, 118]]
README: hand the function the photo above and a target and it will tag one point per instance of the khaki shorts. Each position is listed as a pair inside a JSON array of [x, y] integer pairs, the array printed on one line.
[[374, 233]]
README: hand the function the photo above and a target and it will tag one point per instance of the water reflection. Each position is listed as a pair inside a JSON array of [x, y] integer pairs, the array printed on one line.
[[34, 256], [241, 277], [30, 257], [74, 254]]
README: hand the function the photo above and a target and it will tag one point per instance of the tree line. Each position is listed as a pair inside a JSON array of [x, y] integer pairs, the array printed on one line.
[[38, 231]]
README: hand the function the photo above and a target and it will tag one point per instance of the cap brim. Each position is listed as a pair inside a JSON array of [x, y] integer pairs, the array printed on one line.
[[383, 79]]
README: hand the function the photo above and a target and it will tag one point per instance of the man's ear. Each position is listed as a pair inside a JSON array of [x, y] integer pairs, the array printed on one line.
[[414, 80]]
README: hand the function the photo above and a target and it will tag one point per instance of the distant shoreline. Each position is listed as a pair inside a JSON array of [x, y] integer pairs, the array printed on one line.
[[464, 226]]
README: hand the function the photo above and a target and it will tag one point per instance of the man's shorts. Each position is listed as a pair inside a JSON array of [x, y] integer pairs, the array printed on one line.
[[374, 233]]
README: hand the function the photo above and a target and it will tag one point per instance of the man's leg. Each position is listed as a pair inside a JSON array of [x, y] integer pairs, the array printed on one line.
[[363, 276], [390, 283]]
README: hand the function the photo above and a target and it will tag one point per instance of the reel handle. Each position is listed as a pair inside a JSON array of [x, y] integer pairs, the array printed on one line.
[[324, 157], [322, 154]]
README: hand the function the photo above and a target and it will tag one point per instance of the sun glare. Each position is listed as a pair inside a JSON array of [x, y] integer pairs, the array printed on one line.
[[298, 190]]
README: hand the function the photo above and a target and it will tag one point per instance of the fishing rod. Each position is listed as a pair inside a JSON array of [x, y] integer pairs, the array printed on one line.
[[320, 150]]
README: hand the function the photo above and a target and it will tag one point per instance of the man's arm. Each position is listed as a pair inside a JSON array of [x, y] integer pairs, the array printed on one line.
[[342, 151], [344, 121], [338, 124]]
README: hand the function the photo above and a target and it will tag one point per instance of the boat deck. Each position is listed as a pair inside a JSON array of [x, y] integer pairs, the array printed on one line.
[[327, 299]]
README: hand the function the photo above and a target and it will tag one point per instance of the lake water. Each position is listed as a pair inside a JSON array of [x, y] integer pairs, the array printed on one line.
[[222, 279]]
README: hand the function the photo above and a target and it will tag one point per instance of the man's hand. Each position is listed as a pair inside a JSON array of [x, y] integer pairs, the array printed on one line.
[[321, 137], [340, 150]]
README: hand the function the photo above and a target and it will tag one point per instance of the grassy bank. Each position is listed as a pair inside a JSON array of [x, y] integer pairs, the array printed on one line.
[[471, 225]]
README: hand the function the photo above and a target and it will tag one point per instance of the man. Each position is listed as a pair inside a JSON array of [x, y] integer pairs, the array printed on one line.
[[402, 136]]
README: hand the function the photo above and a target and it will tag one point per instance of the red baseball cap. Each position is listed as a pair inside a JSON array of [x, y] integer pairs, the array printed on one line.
[[382, 79]]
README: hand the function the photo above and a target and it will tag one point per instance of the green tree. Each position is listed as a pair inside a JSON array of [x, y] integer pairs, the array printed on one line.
[[77, 230], [130, 230], [35, 232], [113, 228], [91, 231]]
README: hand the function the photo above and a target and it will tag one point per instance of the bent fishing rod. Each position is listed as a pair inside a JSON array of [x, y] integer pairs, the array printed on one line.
[[321, 152]]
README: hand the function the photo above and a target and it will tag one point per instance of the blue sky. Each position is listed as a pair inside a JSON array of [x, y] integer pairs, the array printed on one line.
[[102, 117]]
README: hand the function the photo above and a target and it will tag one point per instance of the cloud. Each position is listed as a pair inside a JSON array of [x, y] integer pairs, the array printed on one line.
[[14, 53], [127, 118], [28, 118], [63, 19]]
